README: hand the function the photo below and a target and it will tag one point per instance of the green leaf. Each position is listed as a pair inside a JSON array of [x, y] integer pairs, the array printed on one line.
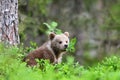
[[47, 25], [54, 24], [71, 47]]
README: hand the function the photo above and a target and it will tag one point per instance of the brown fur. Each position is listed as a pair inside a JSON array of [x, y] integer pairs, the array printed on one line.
[[40, 53]]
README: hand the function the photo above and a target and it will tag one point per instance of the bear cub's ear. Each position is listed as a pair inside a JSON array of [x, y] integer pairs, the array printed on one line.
[[66, 33], [52, 35]]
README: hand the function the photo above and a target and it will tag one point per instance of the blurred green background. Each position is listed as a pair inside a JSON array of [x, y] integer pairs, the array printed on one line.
[[94, 23]]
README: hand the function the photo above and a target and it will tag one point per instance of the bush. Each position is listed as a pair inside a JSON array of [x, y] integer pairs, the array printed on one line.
[[12, 68]]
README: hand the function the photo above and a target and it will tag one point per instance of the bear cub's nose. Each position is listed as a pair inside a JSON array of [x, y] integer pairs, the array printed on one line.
[[66, 46]]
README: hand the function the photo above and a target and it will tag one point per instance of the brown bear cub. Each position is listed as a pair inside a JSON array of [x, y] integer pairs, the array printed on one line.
[[52, 50]]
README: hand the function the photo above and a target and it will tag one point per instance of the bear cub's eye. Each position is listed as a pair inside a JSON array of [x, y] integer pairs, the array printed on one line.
[[66, 41], [60, 42]]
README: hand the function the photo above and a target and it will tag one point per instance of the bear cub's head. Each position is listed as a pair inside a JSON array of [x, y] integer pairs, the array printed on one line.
[[59, 42]]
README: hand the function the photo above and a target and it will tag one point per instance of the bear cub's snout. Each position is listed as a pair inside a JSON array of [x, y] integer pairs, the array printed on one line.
[[66, 46]]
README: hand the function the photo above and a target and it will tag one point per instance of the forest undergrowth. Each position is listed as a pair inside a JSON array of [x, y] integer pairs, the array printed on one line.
[[12, 68]]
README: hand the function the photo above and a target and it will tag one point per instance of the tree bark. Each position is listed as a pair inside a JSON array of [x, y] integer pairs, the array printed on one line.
[[9, 22]]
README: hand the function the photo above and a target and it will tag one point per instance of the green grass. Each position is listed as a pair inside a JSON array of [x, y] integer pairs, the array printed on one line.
[[12, 68]]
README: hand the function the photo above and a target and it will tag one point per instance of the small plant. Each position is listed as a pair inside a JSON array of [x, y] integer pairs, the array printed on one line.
[[71, 47], [113, 63], [52, 27]]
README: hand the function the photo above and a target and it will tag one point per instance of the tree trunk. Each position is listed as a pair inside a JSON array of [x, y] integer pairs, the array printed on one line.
[[9, 22]]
